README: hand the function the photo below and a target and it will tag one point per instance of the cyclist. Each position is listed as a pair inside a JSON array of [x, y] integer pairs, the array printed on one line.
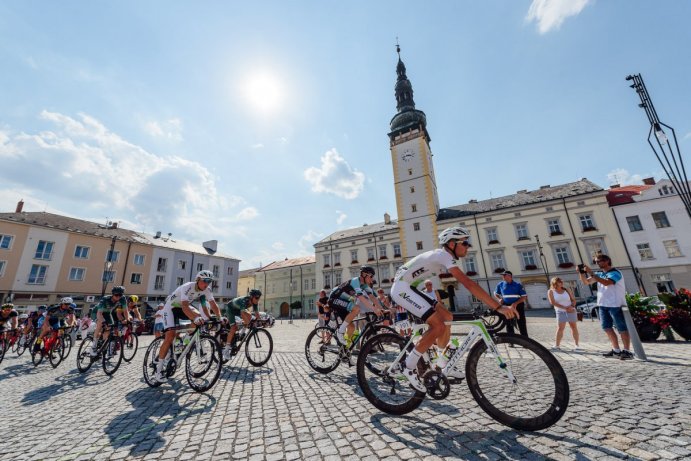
[[454, 242], [133, 308], [348, 298], [239, 307], [178, 305], [104, 314], [9, 317], [55, 318]]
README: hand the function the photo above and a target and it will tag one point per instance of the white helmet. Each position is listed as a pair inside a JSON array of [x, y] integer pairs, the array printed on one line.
[[66, 300], [205, 275], [453, 233]]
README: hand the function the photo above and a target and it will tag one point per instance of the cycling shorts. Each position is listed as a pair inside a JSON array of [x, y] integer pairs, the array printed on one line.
[[412, 300], [55, 322], [172, 316], [109, 318], [340, 307]]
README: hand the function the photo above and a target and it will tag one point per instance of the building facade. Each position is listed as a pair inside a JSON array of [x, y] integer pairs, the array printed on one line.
[[286, 282], [246, 281]]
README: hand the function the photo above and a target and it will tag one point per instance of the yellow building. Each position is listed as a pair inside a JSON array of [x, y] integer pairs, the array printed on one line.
[[286, 282]]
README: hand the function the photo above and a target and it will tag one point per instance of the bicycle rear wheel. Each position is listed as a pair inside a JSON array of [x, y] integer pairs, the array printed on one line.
[[203, 363], [84, 360], [150, 362], [22, 344], [130, 345], [112, 354], [67, 346], [386, 391], [55, 353], [258, 347], [3, 347], [540, 394], [322, 350]]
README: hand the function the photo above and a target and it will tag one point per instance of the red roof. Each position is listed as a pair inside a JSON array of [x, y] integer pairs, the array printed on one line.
[[624, 194]]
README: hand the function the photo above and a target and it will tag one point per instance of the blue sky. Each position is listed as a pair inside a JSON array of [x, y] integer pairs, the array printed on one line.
[[264, 124]]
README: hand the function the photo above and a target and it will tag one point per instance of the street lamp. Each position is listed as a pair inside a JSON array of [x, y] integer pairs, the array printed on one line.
[[543, 259], [108, 266]]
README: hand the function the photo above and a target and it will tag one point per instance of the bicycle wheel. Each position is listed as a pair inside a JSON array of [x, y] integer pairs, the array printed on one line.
[[55, 353], [14, 345], [540, 394], [386, 391], [67, 346], [322, 350], [130, 345], [112, 354], [258, 347], [3, 346], [203, 363], [22, 344], [220, 338], [84, 360], [150, 362]]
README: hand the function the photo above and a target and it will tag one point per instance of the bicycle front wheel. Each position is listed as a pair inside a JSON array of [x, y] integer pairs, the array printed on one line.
[[3, 346], [203, 363], [322, 350], [67, 346], [56, 352], [536, 398], [258, 347], [130, 345], [84, 359], [22, 344], [151, 361], [112, 355]]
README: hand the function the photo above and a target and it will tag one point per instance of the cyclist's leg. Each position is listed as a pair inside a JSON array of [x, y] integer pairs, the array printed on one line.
[[171, 318], [45, 328]]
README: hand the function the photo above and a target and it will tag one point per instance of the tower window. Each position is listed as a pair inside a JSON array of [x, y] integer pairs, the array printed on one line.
[[410, 171], [413, 207], [412, 189], [418, 245], [416, 226]]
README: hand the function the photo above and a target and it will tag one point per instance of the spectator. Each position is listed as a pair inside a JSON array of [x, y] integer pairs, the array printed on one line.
[[430, 292], [611, 296], [512, 293], [564, 304], [323, 311], [158, 320]]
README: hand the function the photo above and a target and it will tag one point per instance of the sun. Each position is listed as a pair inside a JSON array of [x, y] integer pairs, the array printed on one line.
[[263, 92]]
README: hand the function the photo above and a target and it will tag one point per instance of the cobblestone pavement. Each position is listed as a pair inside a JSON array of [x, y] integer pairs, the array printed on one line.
[[618, 410]]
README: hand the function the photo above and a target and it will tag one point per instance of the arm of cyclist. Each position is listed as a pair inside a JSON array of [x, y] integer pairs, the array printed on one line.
[[475, 289], [192, 313]]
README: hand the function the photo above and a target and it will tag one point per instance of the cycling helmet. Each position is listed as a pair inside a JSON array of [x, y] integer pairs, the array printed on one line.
[[255, 292], [367, 270], [118, 290], [66, 300], [42, 308], [8, 306], [73, 305], [205, 275], [453, 233], [133, 299]]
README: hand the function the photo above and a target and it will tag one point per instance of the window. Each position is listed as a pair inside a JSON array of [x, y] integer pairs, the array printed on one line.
[[595, 247], [200, 267], [497, 260], [672, 248], [353, 256], [2, 267], [528, 259], [384, 273], [418, 245], [44, 250], [181, 264], [216, 270], [660, 219], [112, 256], [562, 254], [492, 236], [230, 271], [327, 260], [644, 251], [136, 278], [77, 274], [108, 276], [522, 231], [180, 281], [370, 254], [412, 189], [587, 223], [37, 276], [338, 275], [310, 304], [554, 227], [664, 190], [229, 285], [382, 252], [337, 259], [470, 264], [314, 284], [634, 223], [162, 263], [413, 207], [139, 260], [410, 171], [6, 241], [81, 252], [160, 281], [416, 226], [327, 280], [306, 284], [396, 250]]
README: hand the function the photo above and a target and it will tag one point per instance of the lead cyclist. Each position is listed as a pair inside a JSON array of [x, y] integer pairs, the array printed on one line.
[[454, 242]]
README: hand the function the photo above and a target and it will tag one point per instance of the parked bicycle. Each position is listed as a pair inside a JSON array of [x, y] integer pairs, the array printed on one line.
[[514, 379], [108, 351], [325, 352], [257, 340], [202, 356]]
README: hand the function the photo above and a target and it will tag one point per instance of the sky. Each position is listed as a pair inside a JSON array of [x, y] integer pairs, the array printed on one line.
[[264, 124]]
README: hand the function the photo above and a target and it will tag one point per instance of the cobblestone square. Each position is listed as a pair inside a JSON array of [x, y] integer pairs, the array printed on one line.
[[285, 410]]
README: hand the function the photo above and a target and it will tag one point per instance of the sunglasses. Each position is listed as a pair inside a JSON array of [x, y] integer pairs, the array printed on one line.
[[117, 295], [466, 243], [206, 280]]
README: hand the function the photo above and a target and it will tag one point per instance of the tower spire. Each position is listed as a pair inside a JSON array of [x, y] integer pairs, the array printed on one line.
[[407, 116]]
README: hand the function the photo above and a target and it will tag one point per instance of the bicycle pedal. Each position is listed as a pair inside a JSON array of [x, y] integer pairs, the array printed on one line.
[[453, 381]]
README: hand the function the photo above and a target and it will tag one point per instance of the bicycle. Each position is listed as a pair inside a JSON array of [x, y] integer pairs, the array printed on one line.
[[202, 359], [53, 346], [494, 321], [130, 342], [514, 379], [324, 356], [109, 351], [258, 342]]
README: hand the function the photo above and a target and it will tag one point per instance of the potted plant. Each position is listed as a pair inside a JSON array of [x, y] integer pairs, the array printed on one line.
[[565, 265], [492, 242], [645, 316], [469, 273], [679, 311], [499, 270], [445, 275], [530, 267]]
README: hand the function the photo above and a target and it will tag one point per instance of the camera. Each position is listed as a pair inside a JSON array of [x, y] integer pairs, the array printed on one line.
[[581, 268]]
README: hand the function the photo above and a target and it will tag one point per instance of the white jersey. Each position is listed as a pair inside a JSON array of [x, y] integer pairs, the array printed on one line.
[[425, 266], [188, 292]]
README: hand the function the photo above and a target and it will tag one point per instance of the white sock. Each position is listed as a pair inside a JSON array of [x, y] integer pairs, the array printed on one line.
[[617, 350], [412, 359]]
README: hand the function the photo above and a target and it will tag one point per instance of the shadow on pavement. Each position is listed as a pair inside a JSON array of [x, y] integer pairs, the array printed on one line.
[[155, 411], [24, 368], [72, 381]]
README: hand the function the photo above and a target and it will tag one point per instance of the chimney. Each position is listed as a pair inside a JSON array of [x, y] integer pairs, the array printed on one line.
[[614, 186], [20, 206], [545, 187], [211, 245], [158, 235], [114, 225], [472, 200], [649, 181], [387, 218]]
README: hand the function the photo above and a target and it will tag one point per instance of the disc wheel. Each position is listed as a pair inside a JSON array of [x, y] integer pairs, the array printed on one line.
[[203, 363], [150, 361], [112, 355], [258, 347], [129, 348], [84, 360], [539, 394], [322, 350]]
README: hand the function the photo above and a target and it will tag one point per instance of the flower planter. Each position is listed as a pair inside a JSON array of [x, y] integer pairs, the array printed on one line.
[[469, 273], [565, 265], [647, 331], [499, 270], [681, 327], [493, 242], [530, 267], [554, 234], [446, 275]]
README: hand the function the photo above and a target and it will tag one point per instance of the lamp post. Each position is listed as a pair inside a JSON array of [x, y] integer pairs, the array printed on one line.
[[663, 149], [543, 259], [107, 266]]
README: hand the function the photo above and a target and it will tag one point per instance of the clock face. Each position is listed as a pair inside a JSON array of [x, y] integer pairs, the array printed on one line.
[[407, 155]]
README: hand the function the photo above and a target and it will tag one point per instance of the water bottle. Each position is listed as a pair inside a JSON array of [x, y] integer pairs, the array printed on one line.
[[356, 335], [178, 346], [185, 341]]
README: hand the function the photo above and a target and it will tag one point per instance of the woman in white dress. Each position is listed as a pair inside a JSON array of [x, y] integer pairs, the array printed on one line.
[[564, 305]]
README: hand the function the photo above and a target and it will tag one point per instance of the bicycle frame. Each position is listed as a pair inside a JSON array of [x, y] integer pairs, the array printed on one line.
[[194, 339]]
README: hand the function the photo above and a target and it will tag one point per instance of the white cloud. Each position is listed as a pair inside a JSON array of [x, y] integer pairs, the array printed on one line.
[[686, 136], [168, 129], [623, 177], [335, 177], [307, 240], [247, 214], [550, 14], [257, 146], [341, 217], [278, 246]]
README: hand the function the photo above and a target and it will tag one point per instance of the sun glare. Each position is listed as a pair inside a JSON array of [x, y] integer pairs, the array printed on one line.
[[263, 93]]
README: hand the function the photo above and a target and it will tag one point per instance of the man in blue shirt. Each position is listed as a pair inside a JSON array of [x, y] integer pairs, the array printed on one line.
[[512, 293]]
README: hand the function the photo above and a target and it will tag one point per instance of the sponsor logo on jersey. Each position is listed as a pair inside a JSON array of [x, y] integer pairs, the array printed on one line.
[[407, 298], [418, 272]]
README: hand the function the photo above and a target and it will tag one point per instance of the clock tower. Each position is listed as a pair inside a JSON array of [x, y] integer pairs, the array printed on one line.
[[417, 201]]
